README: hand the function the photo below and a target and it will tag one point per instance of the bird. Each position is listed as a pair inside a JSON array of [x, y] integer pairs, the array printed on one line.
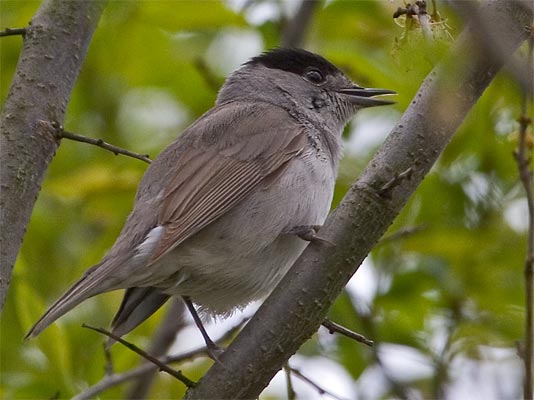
[[224, 211]]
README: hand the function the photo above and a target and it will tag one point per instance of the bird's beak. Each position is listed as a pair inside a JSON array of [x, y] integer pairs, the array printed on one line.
[[363, 97]]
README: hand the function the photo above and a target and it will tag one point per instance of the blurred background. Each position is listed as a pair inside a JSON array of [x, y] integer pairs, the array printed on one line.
[[443, 300]]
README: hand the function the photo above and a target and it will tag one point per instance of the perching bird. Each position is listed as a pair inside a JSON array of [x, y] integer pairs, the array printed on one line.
[[224, 211]]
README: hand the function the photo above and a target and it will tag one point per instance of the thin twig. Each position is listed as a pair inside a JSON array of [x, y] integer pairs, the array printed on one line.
[[333, 327], [424, 19], [320, 389], [110, 381], [385, 190], [113, 380], [162, 366], [402, 233], [291, 394], [526, 177], [109, 360], [213, 82], [160, 342], [13, 32], [398, 389], [104, 145]]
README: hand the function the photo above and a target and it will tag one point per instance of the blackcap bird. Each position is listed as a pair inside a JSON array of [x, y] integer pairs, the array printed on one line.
[[224, 211]]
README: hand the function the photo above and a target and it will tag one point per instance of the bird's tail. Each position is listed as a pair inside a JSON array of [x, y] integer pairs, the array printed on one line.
[[95, 280], [138, 304]]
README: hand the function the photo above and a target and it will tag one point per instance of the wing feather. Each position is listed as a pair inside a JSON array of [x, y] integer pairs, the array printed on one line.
[[212, 181]]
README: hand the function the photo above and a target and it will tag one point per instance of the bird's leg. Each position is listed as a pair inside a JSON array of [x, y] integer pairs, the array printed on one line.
[[213, 350], [308, 233]]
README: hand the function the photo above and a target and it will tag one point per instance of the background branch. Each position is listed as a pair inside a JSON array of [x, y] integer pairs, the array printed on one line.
[[40, 91], [300, 302], [311, 382], [110, 381], [485, 32], [295, 28]]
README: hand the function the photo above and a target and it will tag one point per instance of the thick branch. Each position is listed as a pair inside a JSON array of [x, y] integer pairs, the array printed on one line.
[[486, 32], [54, 48], [299, 304], [524, 158]]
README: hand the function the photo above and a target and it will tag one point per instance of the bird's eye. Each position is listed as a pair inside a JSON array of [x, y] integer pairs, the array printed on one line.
[[314, 76]]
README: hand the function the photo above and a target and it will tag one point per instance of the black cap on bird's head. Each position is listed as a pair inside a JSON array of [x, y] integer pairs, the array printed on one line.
[[296, 61], [271, 77], [316, 69]]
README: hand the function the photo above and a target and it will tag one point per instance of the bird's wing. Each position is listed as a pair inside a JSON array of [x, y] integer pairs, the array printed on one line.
[[233, 150], [218, 161]]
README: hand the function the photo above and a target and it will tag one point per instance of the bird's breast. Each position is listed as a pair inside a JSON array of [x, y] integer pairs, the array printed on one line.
[[242, 256]]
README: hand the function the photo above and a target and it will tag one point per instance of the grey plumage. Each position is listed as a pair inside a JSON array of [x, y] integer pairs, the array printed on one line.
[[212, 212]]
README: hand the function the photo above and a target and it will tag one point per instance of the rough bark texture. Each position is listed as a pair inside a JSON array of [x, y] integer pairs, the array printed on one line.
[[54, 48], [299, 304]]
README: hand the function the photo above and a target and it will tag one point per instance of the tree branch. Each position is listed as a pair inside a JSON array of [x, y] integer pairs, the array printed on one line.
[[526, 176], [298, 305], [162, 340], [53, 51], [486, 32], [104, 145], [291, 394], [295, 28], [154, 360], [110, 381], [13, 32], [401, 234], [309, 381], [333, 327]]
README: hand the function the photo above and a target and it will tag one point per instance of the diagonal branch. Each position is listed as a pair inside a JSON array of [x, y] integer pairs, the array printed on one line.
[[299, 304], [161, 341], [154, 360], [311, 382], [333, 327], [116, 379]]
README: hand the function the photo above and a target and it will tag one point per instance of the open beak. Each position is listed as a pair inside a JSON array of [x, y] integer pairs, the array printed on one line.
[[363, 97]]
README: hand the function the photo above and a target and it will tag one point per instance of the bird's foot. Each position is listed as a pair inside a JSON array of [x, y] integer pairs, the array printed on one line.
[[308, 233]]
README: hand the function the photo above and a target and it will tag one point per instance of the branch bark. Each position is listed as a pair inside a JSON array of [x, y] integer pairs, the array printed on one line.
[[55, 45], [299, 304]]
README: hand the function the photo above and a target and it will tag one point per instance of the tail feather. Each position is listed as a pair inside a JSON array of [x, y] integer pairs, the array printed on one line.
[[138, 304], [95, 280]]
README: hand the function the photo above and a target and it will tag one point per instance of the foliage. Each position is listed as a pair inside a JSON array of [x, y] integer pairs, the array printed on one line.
[[451, 293]]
